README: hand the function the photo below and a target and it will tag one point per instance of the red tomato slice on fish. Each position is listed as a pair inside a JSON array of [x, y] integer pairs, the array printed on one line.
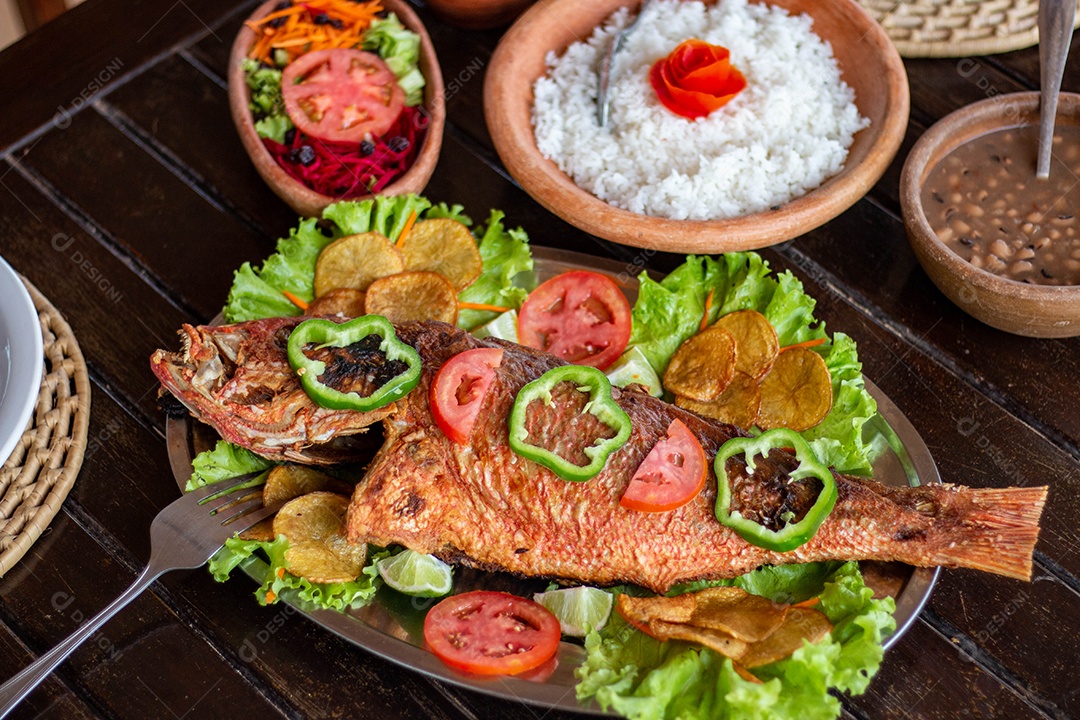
[[459, 388], [491, 633], [671, 475], [341, 95], [581, 316]]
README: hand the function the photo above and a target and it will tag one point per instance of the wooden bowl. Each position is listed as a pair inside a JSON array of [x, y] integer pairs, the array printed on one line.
[[869, 64], [298, 196], [1043, 311], [478, 14]]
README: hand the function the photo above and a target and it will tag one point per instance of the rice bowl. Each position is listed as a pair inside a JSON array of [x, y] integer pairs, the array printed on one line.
[[788, 132]]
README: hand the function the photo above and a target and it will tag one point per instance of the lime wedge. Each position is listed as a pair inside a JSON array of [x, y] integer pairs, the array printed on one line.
[[578, 609], [416, 574]]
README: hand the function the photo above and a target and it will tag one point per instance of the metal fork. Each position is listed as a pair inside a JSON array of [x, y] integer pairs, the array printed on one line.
[[603, 104], [183, 535]]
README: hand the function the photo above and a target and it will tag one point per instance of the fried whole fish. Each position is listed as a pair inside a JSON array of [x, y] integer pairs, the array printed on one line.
[[483, 505]]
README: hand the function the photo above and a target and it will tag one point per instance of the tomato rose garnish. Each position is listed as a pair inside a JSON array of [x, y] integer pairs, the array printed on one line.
[[696, 78]]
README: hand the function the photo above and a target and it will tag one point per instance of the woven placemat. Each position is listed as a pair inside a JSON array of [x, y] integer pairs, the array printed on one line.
[[957, 28], [41, 470]]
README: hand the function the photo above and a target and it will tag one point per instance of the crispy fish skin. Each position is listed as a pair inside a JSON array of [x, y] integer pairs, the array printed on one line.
[[483, 505], [237, 379]]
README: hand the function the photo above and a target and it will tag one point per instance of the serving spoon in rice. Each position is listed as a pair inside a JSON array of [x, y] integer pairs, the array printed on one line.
[[603, 104]]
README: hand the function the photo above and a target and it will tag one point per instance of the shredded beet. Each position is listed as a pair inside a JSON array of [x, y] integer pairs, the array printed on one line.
[[347, 170]]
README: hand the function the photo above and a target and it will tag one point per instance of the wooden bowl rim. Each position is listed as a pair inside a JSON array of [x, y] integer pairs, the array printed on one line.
[[506, 87], [944, 136], [298, 196]]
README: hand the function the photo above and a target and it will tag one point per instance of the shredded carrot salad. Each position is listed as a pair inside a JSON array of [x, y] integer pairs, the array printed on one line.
[[312, 25]]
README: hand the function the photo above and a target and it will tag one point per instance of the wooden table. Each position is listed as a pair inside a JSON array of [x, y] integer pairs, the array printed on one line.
[[128, 200]]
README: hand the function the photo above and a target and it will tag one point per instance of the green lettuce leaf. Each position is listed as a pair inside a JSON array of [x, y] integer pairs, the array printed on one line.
[[669, 312], [644, 679], [506, 255], [400, 50], [279, 584], [266, 103], [223, 462]]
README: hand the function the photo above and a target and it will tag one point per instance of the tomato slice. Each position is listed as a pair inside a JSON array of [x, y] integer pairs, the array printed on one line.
[[341, 94], [491, 633], [671, 475], [581, 316], [459, 388]]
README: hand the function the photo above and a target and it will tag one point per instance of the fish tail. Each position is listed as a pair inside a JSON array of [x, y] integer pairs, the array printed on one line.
[[997, 532]]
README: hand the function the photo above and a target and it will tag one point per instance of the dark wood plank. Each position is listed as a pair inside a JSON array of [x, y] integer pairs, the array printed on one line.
[[131, 668], [86, 50], [166, 227], [117, 318], [52, 699], [177, 107]]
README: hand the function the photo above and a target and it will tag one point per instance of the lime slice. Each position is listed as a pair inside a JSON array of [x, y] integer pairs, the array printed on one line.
[[578, 609], [416, 574]]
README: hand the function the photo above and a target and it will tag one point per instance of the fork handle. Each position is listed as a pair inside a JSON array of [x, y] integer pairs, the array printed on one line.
[[17, 688]]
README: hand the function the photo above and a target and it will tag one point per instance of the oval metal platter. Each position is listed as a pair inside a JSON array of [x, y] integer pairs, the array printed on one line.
[[392, 625]]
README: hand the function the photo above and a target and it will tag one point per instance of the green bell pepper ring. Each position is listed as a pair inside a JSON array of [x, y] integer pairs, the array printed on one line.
[[792, 535], [330, 334], [601, 404]]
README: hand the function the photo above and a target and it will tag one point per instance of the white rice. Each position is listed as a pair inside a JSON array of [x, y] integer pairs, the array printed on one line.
[[784, 135]]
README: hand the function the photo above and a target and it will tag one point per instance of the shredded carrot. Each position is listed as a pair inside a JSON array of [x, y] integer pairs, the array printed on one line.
[[481, 306], [281, 573], [807, 344], [271, 596], [407, 229], [298, 302], [808, 603], [708, 308], [343, 26]]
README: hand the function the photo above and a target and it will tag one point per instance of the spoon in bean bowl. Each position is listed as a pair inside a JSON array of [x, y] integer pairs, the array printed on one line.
[[1056, 19]]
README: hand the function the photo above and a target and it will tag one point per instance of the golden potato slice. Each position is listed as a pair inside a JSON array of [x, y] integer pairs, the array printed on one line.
[[756, 344], [354, 261], [799, 625], [444, 246], [742, 615], [717, 640], [262, 531], [417, 295], [797, 392], [348, 302], [703, 366], [737, 405], [314, 525], [289, 481], [644, 610]]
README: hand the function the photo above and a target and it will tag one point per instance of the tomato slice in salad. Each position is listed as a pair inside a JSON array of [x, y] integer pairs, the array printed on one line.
[[459, 388], [671, 475], [581, 316], [491, 633], [341, 95]]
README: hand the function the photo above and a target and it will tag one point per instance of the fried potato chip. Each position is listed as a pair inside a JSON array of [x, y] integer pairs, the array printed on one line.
[[703, 366], [289, 481], [314, 525], [756, 344], [797, 392], [717, 640], [641, 611], [263, 531], [354, 261], [348, 302], [742, 615], [799, 625], [444, 246], [416, 295], [737, 405]]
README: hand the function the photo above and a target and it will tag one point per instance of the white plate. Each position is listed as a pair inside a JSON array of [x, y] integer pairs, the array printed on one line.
[[20, 358]]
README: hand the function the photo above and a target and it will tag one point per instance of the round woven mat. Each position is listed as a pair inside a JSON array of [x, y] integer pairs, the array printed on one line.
[[41, 470], [957, 28]]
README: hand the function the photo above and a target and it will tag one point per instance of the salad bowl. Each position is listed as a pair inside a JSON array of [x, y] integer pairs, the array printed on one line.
[[299, 197], [868, 62]]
